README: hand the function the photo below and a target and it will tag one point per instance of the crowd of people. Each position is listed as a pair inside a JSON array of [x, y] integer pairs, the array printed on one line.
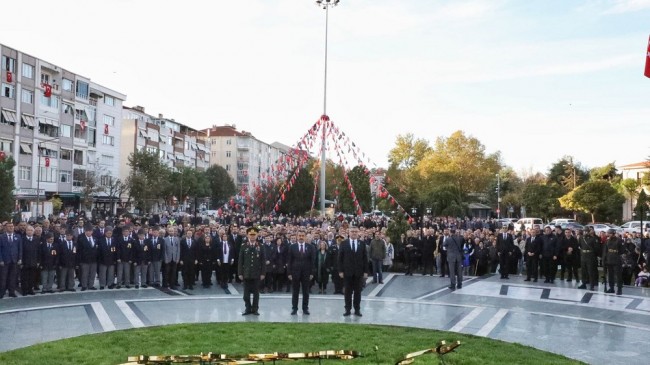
[[298, 254]]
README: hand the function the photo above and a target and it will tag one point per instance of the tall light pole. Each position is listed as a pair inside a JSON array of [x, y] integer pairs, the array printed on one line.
[[38, 176], [498, 196], [325, 4]]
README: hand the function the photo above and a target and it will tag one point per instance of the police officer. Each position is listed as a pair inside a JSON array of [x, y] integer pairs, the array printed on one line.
[[612, 251], [588, 246], [251, 269]]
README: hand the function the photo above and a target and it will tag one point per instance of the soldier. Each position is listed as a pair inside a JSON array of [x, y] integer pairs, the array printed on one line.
[[251, 269], [588, 245], [612, 251]]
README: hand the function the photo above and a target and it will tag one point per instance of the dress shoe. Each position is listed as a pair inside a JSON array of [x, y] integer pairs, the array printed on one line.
[[609, 291], [101, 288], [256, 313], [51, 291], [534, 280], [92, 288], [346, 314], [294, 312], [358, 314], [246, 313], [83, 289], [12, 295], [127, 286], [111, 286], [526, 279], [592, 288], [118, 287], [583, 286], [191, 287], [451, 287], [31, 292], [381, 282], [619, 292], [305, 312], [137, 286], [72, 290], [459, 286], [144, 286]]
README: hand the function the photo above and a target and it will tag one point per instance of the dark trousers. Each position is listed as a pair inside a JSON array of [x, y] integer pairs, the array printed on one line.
[[189, 274], [171, 278], [571, 265], [223, 274], [353, 287], [8, 278], [252, 287], [504, 265], [27, 281], [549, 268], [298, 282], [444, 265], [532, 264], [268, 282], [427, 263], [278, 281], [589, 267], [206, 273], [615, 276], [338, 282]]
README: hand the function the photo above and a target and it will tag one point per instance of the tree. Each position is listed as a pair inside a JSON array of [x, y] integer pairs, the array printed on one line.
[[220, 185], [607, 172], [90, 185], [464, 161], [597, 198], [115, 189], [408, 151], [297, 201], [541, 200], [7, 199], [187, 183], [148, 180], [567, 174]]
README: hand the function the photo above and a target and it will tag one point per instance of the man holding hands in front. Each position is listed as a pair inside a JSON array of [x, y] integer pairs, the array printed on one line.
[[353, 269]]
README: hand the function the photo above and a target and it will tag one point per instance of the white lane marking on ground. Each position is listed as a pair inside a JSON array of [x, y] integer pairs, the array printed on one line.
[[379, 287], [468, 318], [232, 290], [103, 317], [129, 314], [492, 323]]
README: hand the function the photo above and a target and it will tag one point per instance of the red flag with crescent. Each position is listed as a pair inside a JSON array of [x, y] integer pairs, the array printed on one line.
[[647, 61]]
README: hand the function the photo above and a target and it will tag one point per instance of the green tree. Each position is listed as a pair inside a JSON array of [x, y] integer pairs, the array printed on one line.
[[220, 185], [408, 151], [188, 184], [396, 227], [607, 172], [7, 200], [541, 200], [149, 179], [298, 200], [567, 174], [597, 198]]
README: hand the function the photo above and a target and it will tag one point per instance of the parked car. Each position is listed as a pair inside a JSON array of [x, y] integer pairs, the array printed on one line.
[[505, 222], [634, 226], [600, 227], [559, 222], [572, 226], [529, 223]]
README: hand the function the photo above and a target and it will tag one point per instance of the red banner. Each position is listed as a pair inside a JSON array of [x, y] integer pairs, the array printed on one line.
[[47, 162], [10, 76], [105, 128], [82, 124], [48, 90], [647, 61]]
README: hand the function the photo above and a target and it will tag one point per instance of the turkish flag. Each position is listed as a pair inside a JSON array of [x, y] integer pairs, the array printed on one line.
[[105, 128], [82, 124], [10, 76], [2, 156], [48, 90], [47, 162], [647, 61]]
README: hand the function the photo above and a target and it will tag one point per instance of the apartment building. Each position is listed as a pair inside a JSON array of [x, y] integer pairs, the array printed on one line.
[[59, 127], [635, 171], [247, 159]]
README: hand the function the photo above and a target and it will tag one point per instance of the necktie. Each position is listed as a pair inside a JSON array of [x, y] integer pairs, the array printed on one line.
[[354, 246], [225, 248], [189, 243], [302, 249], [69, 246], [92, 243], [49, 246], [109, 242]]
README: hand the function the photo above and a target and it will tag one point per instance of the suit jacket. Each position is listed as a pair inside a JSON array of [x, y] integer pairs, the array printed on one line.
[[67, 257], [533, 245], [11, 250], [505, 245], [172, 250], [271, 255], [205, 251], [219, 252], [99, 233], [142, 252], [108, 254], [353, 263], [454, 244], [30, 250], [189, 254], [126, 249], [157, 247], [88, 253], [301, 264], [49, 256]]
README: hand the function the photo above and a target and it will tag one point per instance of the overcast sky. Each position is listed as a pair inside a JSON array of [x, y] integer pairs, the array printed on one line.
[[534, 79]]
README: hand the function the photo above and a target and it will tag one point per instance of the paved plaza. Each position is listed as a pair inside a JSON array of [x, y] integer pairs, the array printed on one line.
[[593, 327]]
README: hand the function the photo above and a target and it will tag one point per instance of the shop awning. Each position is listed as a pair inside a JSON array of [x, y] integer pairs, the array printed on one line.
[[9, 116], [25, 148], [29, 120]]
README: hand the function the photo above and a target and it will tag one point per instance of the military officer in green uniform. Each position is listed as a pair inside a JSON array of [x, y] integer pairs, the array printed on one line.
[[251, 269], [612, 251], [589, 247]]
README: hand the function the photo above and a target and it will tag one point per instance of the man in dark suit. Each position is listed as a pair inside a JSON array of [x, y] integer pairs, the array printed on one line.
[[189, 259], [505, 248], [428, 248], [100, 231], [300, 268], [67, 260], [353, 269], [125, 258], [48, 258], [156, 246], [142, 260], [225, 258], [531, 255], [108, 254], [30, 260], [454, 246], [10, 260], [88, 254]]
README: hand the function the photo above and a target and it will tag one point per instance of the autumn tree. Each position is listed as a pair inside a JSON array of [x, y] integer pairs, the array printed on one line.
[[7, 183], [597, 198]]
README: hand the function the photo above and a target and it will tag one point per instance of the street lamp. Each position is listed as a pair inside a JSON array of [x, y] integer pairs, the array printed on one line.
[[428, 211], [498, 196], [38, 176], [325, 4]]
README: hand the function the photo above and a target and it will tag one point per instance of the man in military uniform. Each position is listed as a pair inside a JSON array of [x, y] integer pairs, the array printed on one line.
[[589, 246], [251, 269], [612, 251]]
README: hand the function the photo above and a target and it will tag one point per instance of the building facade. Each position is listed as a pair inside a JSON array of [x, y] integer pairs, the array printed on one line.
[[60, 128], [247, 159], [637, 172]]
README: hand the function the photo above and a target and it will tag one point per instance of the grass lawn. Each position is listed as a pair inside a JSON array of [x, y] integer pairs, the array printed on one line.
[[242, 338]]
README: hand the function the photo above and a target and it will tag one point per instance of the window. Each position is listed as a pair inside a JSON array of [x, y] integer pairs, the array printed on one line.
[[109, 140], [78, 158], [109, 120], [68, 108], [107, 160], [45, 79], [47, 129], [66, 130], [49, 174], [187, 145], [228, 167], [82, 90], [49, 153], [105, 180], [28, 71], [92, 137], [67, 85], [227, 153], [152, 150], [8, 64], [25, 173], [6, 146], [52, 101], [8, 90], [27, 96], [66, 154], [79, 133], [109, 100], [228, 142], [65, 176]]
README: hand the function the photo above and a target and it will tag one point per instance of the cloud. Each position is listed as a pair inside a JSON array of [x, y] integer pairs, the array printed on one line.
[[628, 6]]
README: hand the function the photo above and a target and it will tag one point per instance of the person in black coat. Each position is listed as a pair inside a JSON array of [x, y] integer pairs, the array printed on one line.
[[549, 255], [333, 251], [300, 268], [189, 259], [280, 270], [206, 255], [156, 245], [531, 255], [571, 256], [30, 259], [506, 249], [126, 257], [225, 259], [88, 253], [108, 255], [353, 269], [271, 255], [67, 252], [49, 259], [428, 248], [142, 260]]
